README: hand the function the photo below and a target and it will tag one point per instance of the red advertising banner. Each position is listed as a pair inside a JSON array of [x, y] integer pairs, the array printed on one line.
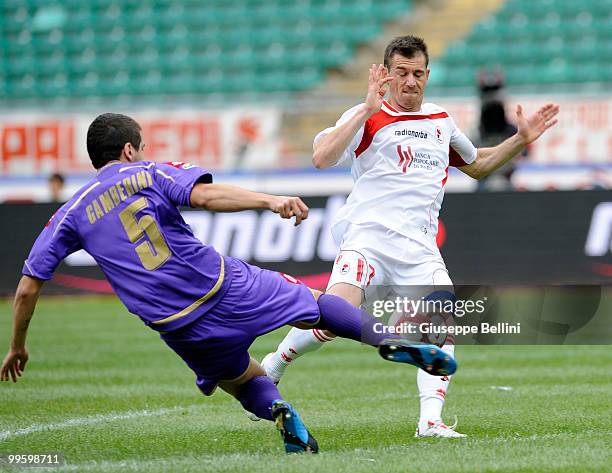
[[40, 143]]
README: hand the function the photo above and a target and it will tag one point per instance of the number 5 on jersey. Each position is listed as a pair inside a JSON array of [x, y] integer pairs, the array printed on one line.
[[152, 252]]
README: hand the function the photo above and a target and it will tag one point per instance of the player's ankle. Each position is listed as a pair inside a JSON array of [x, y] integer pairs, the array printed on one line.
[[424, 424]]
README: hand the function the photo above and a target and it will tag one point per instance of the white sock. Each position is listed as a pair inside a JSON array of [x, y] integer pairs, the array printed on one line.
[[432, 391], [298, 342]]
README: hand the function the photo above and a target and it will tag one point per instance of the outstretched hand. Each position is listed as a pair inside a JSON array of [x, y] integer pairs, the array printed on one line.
[[377, 87], [531, 128]]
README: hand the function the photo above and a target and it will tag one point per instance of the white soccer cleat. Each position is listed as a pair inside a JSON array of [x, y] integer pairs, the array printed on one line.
[[275, 369], [440, 430]]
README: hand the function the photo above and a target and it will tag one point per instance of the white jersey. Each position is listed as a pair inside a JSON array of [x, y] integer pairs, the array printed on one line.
[[400, 165]]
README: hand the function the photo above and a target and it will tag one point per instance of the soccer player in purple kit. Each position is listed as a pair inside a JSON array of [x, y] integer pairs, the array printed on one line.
[[208, 308]]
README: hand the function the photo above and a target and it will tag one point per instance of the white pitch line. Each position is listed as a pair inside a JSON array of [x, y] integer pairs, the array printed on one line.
[[90, 420]]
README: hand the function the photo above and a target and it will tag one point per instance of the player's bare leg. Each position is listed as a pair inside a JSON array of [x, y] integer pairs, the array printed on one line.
[[300, 341], [432, 389], [233, 386], [351, 273], [347, 321]]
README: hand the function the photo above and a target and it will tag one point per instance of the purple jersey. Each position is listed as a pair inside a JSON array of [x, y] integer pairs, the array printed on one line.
[[127, 218]]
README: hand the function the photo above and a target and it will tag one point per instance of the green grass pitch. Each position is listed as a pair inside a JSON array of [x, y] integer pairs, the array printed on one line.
[[107, 393]]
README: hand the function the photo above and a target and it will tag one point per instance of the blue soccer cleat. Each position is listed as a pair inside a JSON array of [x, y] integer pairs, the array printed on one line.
[[296, 437], [427, 357]]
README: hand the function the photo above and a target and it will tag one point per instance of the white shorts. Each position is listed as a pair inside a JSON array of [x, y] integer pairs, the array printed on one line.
[[374, 258]]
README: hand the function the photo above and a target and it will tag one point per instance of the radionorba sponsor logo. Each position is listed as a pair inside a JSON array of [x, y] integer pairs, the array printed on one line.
[[412, 133]]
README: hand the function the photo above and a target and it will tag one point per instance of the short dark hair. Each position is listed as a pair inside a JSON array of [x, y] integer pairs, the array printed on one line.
[[108, 134], [407, 46], [56, 177]]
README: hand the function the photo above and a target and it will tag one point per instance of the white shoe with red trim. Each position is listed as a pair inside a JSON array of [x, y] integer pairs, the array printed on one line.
[[439, 429]]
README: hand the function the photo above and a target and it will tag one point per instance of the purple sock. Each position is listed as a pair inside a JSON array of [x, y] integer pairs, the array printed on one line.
[[257, 396], [344, 320]]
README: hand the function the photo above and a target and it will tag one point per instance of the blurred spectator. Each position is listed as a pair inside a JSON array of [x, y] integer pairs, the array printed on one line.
[[56, 187], [599, 180], [493, 128], [490, 85]]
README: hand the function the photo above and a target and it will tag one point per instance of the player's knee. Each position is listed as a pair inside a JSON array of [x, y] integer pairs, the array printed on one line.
[[442, 281], [316, 293], [354, 295], [206, 386], [351, 267], [234, 386]]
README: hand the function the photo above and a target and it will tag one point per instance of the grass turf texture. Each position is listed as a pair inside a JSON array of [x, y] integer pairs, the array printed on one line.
[[107, 393]]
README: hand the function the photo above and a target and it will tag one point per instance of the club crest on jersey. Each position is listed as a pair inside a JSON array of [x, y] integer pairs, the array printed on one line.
[[180, 164], [439, 136], [405, 157], [345, 268], [289, 278], [51, 219]]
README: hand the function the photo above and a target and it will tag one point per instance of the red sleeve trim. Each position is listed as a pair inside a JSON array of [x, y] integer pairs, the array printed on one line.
[[455, 159]]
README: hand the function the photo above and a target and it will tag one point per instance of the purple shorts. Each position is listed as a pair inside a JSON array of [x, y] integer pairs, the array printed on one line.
[[215, 346]]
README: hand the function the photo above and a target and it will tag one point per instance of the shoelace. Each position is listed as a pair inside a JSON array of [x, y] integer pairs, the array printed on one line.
[[444, 426], [452, 427]]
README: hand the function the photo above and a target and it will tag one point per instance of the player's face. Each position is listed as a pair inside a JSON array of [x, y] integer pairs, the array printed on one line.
[[410, 78], [137, 154], [56, 186], [140, 154]]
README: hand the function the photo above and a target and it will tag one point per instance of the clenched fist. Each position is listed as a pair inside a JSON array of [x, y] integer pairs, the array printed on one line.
[[288, 207]]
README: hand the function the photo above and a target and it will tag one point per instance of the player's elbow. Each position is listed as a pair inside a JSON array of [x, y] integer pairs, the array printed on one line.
[[477, 174], [479, 168], [475, 171], [202, 196], [320, 161], [317, 164], [316, 161]]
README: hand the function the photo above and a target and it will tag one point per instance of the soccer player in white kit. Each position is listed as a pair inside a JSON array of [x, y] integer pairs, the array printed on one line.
[[400, 151]]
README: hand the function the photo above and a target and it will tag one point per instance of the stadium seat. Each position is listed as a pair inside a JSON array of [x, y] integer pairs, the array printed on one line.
[[536, 42], [160, 47]]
